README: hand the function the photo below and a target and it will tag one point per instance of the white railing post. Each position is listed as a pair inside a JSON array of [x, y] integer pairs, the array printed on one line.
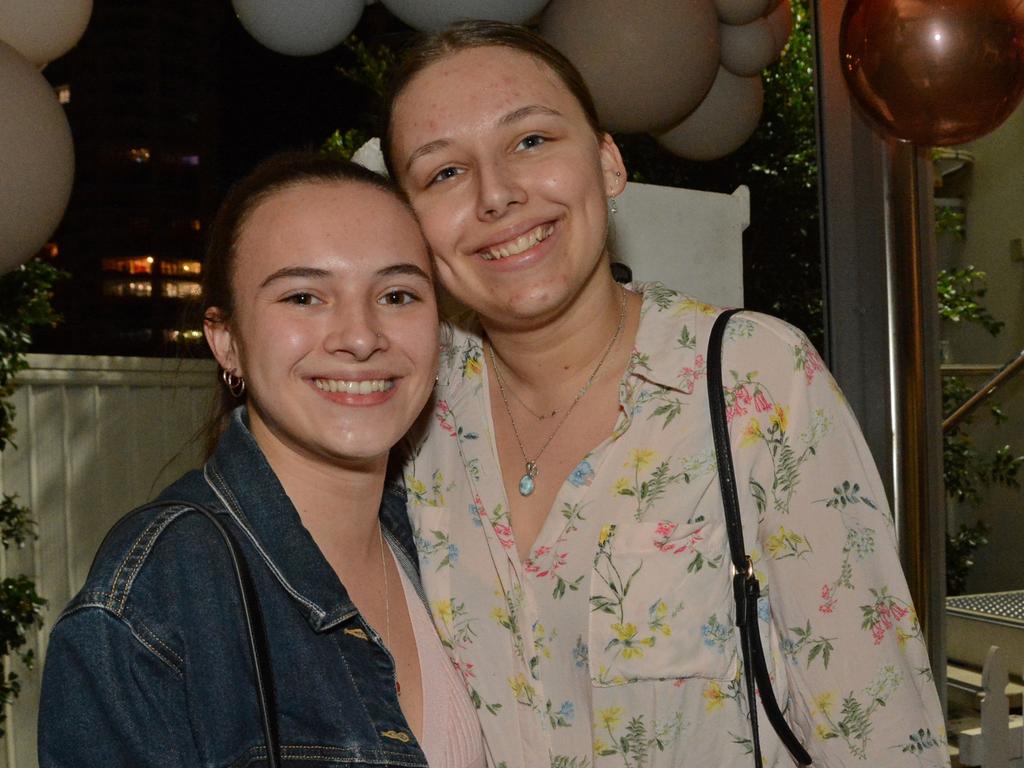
[[999, 741], [995, 711]]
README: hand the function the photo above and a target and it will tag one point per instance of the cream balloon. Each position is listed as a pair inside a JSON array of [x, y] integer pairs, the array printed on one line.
[[43, 30], [432, 15], [37, 159], [726, 118], [748, 49], [299, 27], [648, 67], [739, 12]]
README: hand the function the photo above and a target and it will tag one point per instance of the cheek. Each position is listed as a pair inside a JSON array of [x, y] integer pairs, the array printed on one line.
[[273, 345], [441, 222]]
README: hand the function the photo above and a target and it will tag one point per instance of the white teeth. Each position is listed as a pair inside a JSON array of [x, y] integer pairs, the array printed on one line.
[[520, 244], [364, 387]]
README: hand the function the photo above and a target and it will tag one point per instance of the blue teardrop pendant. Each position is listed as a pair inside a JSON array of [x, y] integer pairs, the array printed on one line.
[[526, 484]]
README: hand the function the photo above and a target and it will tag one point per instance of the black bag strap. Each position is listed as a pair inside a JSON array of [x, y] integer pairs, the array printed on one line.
[[744, 582], [254, 625]]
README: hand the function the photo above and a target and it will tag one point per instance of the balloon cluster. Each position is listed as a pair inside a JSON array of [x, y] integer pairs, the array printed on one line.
[[315, 26], [687, 71], [37, 160]]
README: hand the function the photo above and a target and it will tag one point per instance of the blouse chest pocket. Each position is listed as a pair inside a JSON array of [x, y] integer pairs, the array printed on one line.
[[661, 604]]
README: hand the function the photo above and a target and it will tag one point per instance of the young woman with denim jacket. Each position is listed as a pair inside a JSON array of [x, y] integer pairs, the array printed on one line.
[[320, 309]]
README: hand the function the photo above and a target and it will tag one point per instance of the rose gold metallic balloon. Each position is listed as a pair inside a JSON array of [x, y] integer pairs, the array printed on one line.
[[934, 72]]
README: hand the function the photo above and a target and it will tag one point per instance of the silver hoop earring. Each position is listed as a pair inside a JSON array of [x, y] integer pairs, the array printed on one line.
[[235, 384]]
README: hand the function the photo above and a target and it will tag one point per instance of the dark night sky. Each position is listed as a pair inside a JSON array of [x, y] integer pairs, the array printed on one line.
[[180, 78]]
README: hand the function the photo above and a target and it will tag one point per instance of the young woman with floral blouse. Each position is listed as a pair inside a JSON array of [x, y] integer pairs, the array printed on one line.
[[566, 504]]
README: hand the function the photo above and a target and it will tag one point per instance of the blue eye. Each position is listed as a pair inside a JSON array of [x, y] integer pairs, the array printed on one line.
[[397, 298], [531, 141], [444, 174]]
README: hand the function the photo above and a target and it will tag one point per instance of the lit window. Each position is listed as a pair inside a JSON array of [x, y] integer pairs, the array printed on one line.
[[181, 268], [139, 265], [191, 160], [196, 225], [188, 336], [51, 250], [139, 154], [182, 290], [137, 288], [63, 94]]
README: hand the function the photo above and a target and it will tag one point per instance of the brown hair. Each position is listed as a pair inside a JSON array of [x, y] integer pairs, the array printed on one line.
[[480, 34], [276, 173]]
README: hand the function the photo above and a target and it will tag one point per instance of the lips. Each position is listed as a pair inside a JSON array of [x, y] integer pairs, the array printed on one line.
[[519, 244], [363, 387]]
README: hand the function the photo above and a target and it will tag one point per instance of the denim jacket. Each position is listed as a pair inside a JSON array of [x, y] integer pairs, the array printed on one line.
[[149, 665]]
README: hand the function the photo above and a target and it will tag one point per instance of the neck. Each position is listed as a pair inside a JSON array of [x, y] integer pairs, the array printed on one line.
[[337, 503], [564, 348]]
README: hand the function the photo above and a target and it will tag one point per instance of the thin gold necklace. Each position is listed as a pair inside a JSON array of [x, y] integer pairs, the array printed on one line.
[[527, 481], [387, 603]]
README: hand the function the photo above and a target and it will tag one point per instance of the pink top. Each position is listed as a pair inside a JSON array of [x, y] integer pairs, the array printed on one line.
[[451, 736]]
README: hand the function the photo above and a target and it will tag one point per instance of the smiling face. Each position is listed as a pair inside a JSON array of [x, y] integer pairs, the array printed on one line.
[[509, 181], [334, 326]]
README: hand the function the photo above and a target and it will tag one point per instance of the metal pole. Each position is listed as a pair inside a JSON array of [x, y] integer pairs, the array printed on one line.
[[919, 495], [1008, 371]]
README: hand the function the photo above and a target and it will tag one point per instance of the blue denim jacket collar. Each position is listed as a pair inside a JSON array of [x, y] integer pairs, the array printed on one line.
[[240, 476]]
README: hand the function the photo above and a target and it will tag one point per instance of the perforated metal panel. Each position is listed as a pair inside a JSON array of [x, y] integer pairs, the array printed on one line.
[[976, 622], [996, 605]]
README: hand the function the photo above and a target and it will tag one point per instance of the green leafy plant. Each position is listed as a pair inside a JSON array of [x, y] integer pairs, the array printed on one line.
[[950, 221], [345, 144], [25, 295], [967, 470], [961, 291]]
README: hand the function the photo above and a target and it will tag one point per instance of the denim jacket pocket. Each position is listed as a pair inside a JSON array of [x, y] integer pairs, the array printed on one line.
[[661, 604]]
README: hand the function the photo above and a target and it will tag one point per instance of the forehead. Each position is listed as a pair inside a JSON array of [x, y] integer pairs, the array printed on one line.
[[477, 85], [348, 221]]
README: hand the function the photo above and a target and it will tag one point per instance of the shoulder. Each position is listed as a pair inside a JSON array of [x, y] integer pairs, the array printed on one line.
[[153, 551], [750, 328]]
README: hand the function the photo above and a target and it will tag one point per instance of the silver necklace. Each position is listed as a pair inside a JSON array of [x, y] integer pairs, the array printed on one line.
[[527, 481]]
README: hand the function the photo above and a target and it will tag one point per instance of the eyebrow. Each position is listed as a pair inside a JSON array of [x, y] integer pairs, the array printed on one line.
[[402, 268], [505, 120], [284, 272], [528, 111]]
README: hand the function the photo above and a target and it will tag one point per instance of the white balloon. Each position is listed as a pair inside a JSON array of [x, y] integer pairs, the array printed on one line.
[[43, 30], [740, 11], [37, 159], [748, 49], [726, 118], [432, 15], [647, 68], [299, 27]]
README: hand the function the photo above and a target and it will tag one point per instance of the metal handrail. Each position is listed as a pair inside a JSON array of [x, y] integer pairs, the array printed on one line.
[[1007, 372]]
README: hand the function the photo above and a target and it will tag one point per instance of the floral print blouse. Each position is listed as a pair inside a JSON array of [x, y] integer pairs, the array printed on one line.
[[614, 643]]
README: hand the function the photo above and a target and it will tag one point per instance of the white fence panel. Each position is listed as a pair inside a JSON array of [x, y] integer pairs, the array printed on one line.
[[96, 436]]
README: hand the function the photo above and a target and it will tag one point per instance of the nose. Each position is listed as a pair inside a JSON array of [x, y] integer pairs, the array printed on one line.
[[499, 189], [355, 330]]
